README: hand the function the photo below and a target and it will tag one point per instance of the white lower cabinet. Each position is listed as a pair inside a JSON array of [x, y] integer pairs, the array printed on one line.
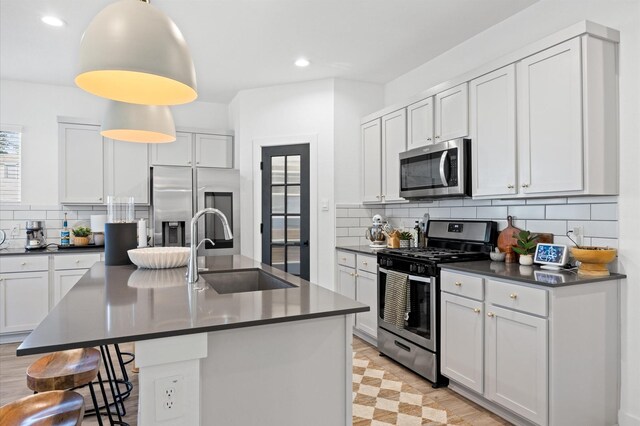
[[24, 298], [358, 279], [462, 341], [63, 281], [516, 362], [533, 354]]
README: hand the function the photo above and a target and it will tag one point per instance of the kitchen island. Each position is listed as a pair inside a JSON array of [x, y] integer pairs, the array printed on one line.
[[278, 356]]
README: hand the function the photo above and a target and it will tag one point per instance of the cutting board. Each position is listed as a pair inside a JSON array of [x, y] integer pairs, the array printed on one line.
[[506, 238]]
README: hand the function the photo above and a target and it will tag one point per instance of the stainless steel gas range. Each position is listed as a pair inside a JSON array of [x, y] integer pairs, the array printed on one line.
[[416, 344]]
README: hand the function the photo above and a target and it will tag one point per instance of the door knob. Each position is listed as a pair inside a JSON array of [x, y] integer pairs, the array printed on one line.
[[513, 296], [476, 310], [458, 283], [490, 314]]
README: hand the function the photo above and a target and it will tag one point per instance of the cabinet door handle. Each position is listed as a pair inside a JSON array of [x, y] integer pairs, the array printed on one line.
[[100, 199], [437, 137], [356, 275], [525, 185], [23, 263], [513, 296], [77, 261], [352, 274], [428, 139], [364, 262], [458, 283], [197, 162], [344, 259], [491, 314], [476, 310], [1, 279], [510, 186]]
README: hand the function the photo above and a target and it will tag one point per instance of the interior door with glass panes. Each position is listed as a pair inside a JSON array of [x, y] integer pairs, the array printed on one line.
[[285, 208]]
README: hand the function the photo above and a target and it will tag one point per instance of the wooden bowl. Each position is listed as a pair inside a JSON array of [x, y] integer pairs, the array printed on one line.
[[593, 260]]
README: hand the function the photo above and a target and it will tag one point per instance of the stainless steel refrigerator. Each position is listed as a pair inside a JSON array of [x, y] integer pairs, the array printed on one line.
[[179, 192]]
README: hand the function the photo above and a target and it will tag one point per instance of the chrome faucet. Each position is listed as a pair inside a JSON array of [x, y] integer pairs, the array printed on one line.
[[192, 271]]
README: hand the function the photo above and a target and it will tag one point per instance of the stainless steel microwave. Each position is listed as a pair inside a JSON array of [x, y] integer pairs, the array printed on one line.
[[436, 171]]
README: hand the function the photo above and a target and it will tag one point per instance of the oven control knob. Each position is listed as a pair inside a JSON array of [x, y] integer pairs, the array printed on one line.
[[413, 267], [389, 262], [421, 269]]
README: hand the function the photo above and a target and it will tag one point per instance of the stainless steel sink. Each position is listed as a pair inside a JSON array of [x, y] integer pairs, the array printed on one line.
[[243, 281]]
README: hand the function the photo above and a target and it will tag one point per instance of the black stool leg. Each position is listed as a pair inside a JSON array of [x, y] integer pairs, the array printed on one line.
[[125, 376], [106, 404], [111, 378], [95, 404]]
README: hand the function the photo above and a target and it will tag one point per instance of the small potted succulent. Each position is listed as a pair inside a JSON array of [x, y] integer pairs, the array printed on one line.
[[526, 246], [405, 239], [81, 235]]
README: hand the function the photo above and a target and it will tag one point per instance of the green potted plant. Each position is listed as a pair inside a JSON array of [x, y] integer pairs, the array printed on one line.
[[81, 235], [405, 239], [525, 246]]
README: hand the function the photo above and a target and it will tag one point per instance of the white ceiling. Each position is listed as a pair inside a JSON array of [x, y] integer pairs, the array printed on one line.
[[241, 44]]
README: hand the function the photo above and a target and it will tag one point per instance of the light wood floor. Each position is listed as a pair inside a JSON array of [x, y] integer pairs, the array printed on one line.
[[13, 385]]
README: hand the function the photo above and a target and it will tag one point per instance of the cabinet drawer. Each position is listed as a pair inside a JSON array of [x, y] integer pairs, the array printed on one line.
[[27, 263], [347, 259], [367, 264], [76, 261], [462, 284], [521, 298]]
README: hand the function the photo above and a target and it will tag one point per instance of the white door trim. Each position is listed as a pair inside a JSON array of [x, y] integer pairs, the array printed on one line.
[[312, 141]]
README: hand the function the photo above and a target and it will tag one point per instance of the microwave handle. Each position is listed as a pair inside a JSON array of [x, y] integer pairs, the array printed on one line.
[[443, 160]]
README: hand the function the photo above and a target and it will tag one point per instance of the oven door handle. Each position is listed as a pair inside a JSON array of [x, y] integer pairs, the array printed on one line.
[[411, 277], [384, 271], [443, 160]]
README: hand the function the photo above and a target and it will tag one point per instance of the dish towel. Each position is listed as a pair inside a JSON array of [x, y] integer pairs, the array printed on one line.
[[397, 299]]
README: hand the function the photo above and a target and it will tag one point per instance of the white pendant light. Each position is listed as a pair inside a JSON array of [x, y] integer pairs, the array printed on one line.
[[132, 52], [138, 123]]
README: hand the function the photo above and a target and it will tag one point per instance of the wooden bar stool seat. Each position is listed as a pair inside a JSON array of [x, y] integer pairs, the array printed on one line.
[[60, 408], [64, 370]]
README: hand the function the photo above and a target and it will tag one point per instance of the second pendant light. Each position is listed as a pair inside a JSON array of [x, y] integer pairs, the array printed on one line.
[[138, 123]]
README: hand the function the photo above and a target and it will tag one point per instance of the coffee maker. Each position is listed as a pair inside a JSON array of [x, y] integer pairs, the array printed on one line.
[[35, 235]]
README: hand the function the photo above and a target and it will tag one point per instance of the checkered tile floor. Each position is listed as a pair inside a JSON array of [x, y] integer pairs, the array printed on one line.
[[380, 398]]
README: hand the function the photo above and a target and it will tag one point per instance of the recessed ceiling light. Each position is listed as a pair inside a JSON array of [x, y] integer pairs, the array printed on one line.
[[53, 21], [302, 62]]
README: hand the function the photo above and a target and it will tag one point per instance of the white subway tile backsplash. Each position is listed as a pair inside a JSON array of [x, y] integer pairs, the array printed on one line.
[[342, 212], [357, 232], [359, 212], [30, 214], [429, 203], [451, 203], [347, 241], [6, 214], [508, 202], [604, 242], [545, 201], [596, 228], [365, 221], [604, 212], [491, 212], [399, 212], [342, 232], [463, 212], [440, 213], [555, 227], [593, 200], [471, 202], [527, 212], [417, 212], [569, 211], [345, 222], [502, 224]]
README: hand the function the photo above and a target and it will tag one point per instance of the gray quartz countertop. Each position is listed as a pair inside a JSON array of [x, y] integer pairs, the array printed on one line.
[[360, 249], [51, 250], [114, 304], [527, 274]]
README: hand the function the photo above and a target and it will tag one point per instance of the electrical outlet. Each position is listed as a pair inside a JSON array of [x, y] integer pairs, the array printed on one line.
[[578, 235], [169, 398]]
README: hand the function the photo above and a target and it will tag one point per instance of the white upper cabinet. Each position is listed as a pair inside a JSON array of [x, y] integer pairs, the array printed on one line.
[[550, 120], [214, 150], [207, 150], [420, 123], [452, 113], [126, 166], [492, 104], [371, 162], [176, 153], [394, 141], [80, 164]]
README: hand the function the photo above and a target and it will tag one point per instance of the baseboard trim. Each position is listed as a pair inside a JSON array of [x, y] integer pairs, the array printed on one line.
[[370, 340], [12, 338], [627, 419]]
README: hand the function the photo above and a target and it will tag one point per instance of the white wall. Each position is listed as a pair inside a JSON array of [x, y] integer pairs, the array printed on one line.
[[536, 22], [285, 112], [353, 100], [36, 108]]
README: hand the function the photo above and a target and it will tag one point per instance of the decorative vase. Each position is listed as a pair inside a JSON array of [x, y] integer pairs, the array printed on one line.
[[526, 259], [404, 243], [80, 241]]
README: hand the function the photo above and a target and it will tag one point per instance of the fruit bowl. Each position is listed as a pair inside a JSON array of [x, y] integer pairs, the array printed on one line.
[[159, 257], [593, 260]]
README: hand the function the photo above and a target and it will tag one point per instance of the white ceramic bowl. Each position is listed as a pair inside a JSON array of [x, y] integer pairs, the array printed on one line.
[[159, 257]]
